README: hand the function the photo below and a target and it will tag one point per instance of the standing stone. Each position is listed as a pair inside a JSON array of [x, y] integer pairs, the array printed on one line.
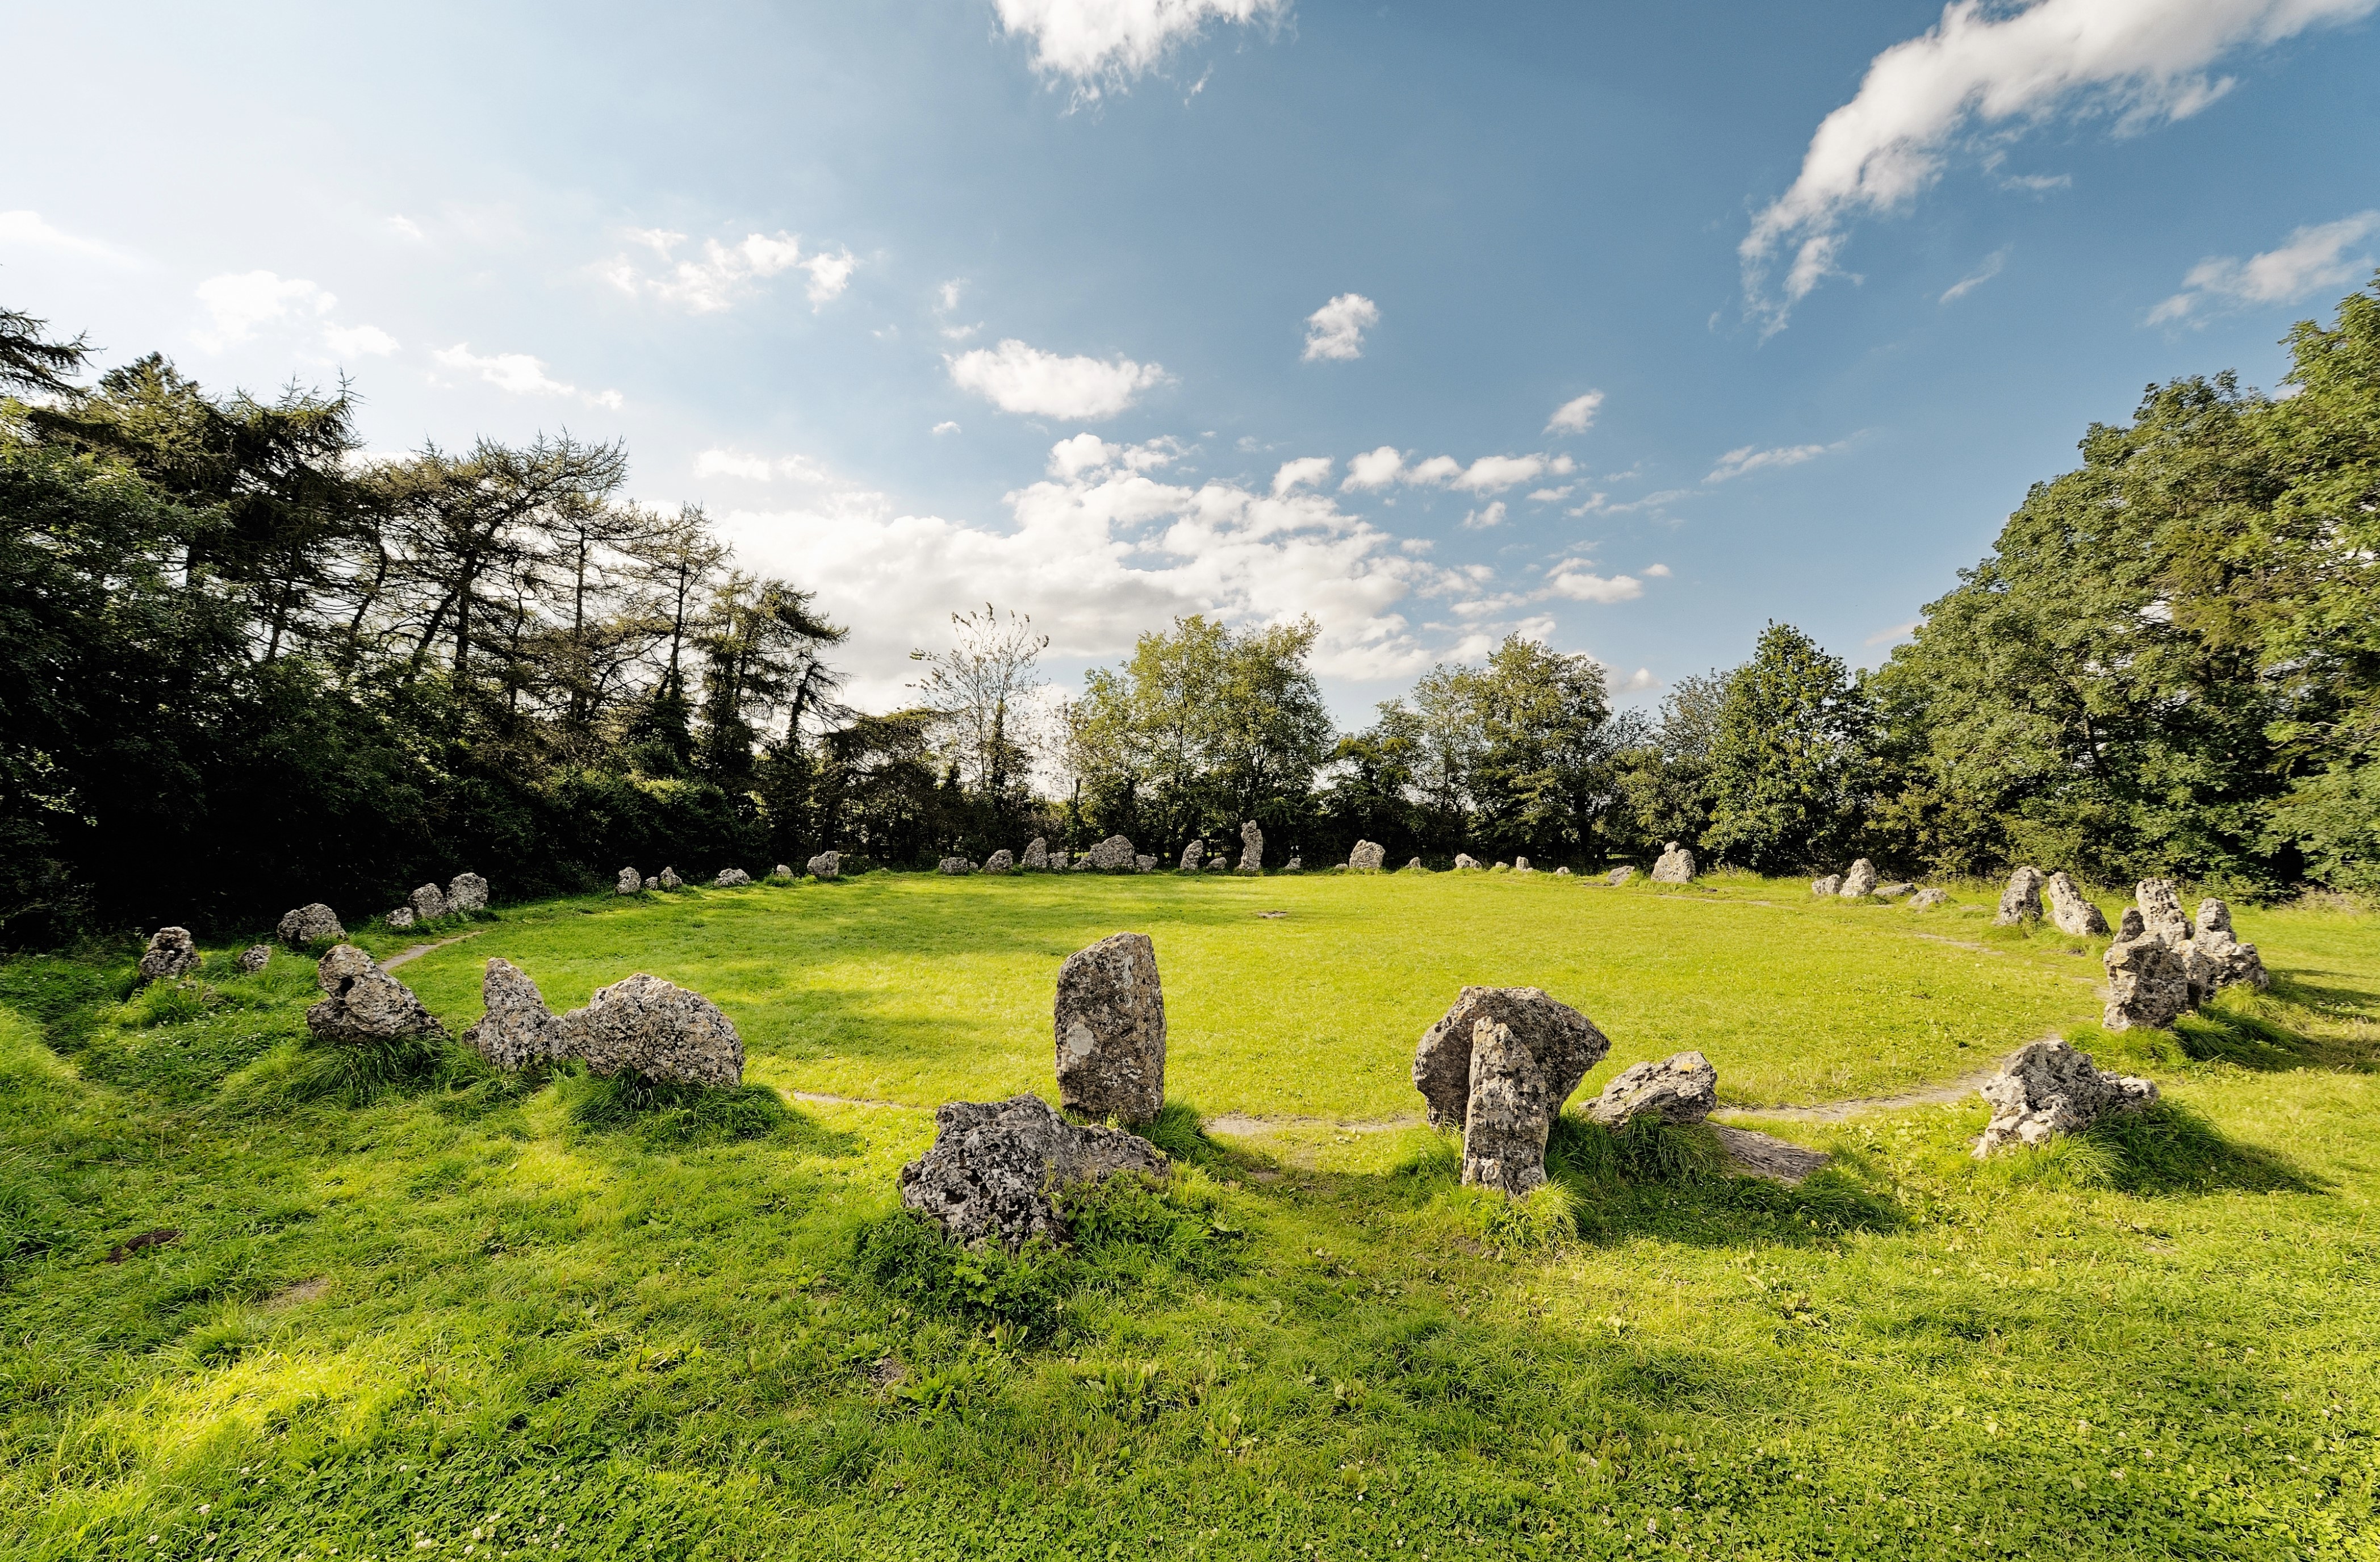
[[958, 865], [517, 1029], [1194, 856], [2049, 1088], [1679, 1089], [255, 958], [669, 879], [994, 1167], [170, 953], [1413, 867], [2161, 912], [1510, 1111], [1297, 865], [1219, 863], [2020, 901], [2232, 961], [1676, 866], [826, 865], [1000, 861], [1368, 856], [782, 871], [1521, 865], [400, 919], [1564, 1043], [631, 883], [1037, 856], [467, 892], [314, 924], [1109, 1023], [362, 1004], [1859, 882], [1114, 855], [732, 878], [2148, 983], [1251, 848], [1619, 876], [1926, 899], [1058, 859], [1464, 862], [657, 1030], [429, 903], [2071, 910], [1146, 863], [1827, 885]]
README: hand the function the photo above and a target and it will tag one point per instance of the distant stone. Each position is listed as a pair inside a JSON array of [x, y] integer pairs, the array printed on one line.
[[2148, 983], [1109, 1024], [1368, 856], [1894, 891], [2047, 1088], [990, 1177], [1465, 862], [1146, 863], [255, 958], [1058, 859], [782, 871], [1681, 1089], [400, 919], [1501, 868], [1000, 861], [2071, 910], [517, 1029], [1297, 865], [429, 903], [2233, 961], [1194, 856], [826, 865], [1521, 865], [1619, 876], [669, 879], [1037, 856], [656, 1031], [1563, 1042], [315, 923], [170, 954], [1561, 873], [2161, 912], [467, 892], [1114, 855], [362, 1004], [1676, 866], [1827, 885], [1510, 1111], [1926, 899], [1251, 848], [955, 865], [730, 878], [1859, 882], [631, 883], [2020, 901]]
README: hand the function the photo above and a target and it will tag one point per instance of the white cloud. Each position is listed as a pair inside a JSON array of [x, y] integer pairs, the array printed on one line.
[[1298, 473], [945, 427], [359, 340], [1336, 330], [1897, 631], [1658, 571], [1744, 458], [1574, 415], [239, 302], [518, 373], [406, 227], [26, 230], [1113, 41], [1438, 469], [2311, 259], [1576, 581], [1638, 682], [1988, 65], [1493, 474], [1374, 468], [723, 274], [1018, 378], [1991, 267], [1552, 495], [1480, 521], [757, 468]]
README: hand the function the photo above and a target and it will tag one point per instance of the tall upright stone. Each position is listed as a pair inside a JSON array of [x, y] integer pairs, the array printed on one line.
[[2148, 983], [2232, 961], [1509, 1112], [1368, 857], [2161, 912], [1859, 882], [171, 953], [467, 892], [517, 1029], [1037, 856], [826, 865], [630, 883], [1194, 856], [1563, 1042], [429, 903], [1676, 866], [2020, 901], [1251, 848], [2071, 910], [362, 1004], [1109, 1026]]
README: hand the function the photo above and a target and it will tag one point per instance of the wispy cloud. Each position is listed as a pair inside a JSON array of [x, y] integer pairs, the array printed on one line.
[[1108, 42], [2309, 259], [1992, 266], [519, 374], [1336, 330], [719, 275], [1745, 459], [27, 230]]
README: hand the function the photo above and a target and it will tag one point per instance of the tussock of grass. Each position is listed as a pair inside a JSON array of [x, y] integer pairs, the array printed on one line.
[[663, 1113]]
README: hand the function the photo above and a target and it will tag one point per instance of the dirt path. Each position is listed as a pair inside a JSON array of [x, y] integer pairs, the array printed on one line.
[[418, 950], [1836, 1111]]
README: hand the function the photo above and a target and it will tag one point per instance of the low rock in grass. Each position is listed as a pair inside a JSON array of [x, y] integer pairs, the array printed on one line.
[[170, 953], [1926, 899], [1509, 1112], [1563, 1042], [1369, 856], [1114, 855], [2071, 910], [994, 1167], [1894, 891], [1860, 880], [1251, 848], [2233, 961], [826, 865], [2020, 901], [2148, 983], [1466, 864], [1619, 876], [730, 878], [956, 866], [1037, 856], [1676, 866], [2049, 1088], [631, 883], [657, 1030], [1827, 886], [429, 903], [1058, 859], [1297, 865], [1194, 856], [1751, 1154], [466, 893], [517, 1029], [782, 871], [255, 958], [1109, 1022], [362, 1004], [315, 923], [669, 879], [400, 919], [1679, 1089], [1000, 861], [1561, 873]]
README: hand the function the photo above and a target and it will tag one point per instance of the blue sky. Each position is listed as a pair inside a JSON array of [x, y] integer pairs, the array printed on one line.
[[1090, 306]]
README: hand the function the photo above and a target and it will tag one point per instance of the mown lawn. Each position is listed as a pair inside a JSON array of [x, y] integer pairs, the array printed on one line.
[[466, 1318]]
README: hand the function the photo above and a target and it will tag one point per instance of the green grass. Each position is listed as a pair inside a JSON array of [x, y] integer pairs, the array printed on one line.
[[590, 1322]]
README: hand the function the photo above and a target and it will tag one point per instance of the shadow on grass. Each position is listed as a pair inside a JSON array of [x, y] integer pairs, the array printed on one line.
[[667, 1116], [2166, 1148]]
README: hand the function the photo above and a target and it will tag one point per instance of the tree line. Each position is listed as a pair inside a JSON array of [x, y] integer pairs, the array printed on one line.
[[243, 664]]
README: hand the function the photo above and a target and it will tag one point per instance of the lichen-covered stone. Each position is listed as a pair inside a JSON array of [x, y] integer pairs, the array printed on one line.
[[1679, 1089], [1860, 880], [170, 953], [362, 1004], [2231, 961], [255, 958], [2020, 901], [2148, 983], [630, 883], [1368, 856], [1619, 876], [730, 878], [995, 1167], [955, 865], [1037, 856], [1926, 899], [429, 903], [1827, 886], [1464, 863], [1109, 1024], [1894, 891], [517, 1029], [2047, 1088], [400, 919], [1510, 1111], [1056, 860], [1251, 848], [2071, 910], [1564, 1041], [2130, 925], [782, 871], [1676, 866], [657, 1030], [314, 924], [1558, 873], [826, 865], [1297, 865], [669, 879], [2161, 912], [1114, 855], [1000, 861], [1521, 865], [467, 892]]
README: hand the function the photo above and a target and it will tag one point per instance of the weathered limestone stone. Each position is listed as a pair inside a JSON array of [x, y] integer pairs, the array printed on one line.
[[517, 1029], [1511, 1110], [1465, 862], [1894, 891], [669, 879], [1676, 866], [2071, 910], [467, 892], [1037, 856], [1501, 868], [429, 903], [1521, 865], [1561, 873], [2148, 983], [313, 924], [1564, 1043], [1219, 863], [1058, 859], [730, 878], [656, 1029], [1760, 1155], [2020, 901], [1000, 861], [1681, 1089], [1194, 856], [255, 958], [2232, 961], [1619, 876], [631, 883], [1146, 863], [2161, 912], [1114, 855], [1859, 882], [782, 871], [400, 919], [994, 1167], [1827, 885], [170, 953], [1251, 848], [826, 865], [2130, 925], [1109, 1023], [2049, 1088], [1926, 899], [1368, 856], [1297, 865], [362, 1004], [958, 865]]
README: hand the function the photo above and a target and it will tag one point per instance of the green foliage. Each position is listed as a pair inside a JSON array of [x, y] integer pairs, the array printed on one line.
[[1787, 757], [663, 1113], [905, 1257]]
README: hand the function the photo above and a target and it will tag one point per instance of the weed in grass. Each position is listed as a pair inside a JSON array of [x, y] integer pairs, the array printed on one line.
[[905, 1257]]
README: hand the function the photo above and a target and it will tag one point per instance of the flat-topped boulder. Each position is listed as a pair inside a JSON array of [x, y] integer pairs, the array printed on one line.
[[2071, 911], [1563, 1042], [1676, 866], [2020, 901], [730, 878], [314, 924], [1926, 899], [1109, 1020], [171, 953], [1895, 891], [1827, 886], [657, 1030], [1619, 876], [362, 1004], [991, 1175], [2049, 1088], [1679, 1089], [955, 865]]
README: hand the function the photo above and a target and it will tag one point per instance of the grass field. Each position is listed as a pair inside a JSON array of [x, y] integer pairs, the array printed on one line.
[[467, 1317]]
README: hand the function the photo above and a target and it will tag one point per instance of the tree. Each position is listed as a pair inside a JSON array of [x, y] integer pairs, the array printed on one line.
[[982, 689], [762, 656], [30, 361], [1786, 757]]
